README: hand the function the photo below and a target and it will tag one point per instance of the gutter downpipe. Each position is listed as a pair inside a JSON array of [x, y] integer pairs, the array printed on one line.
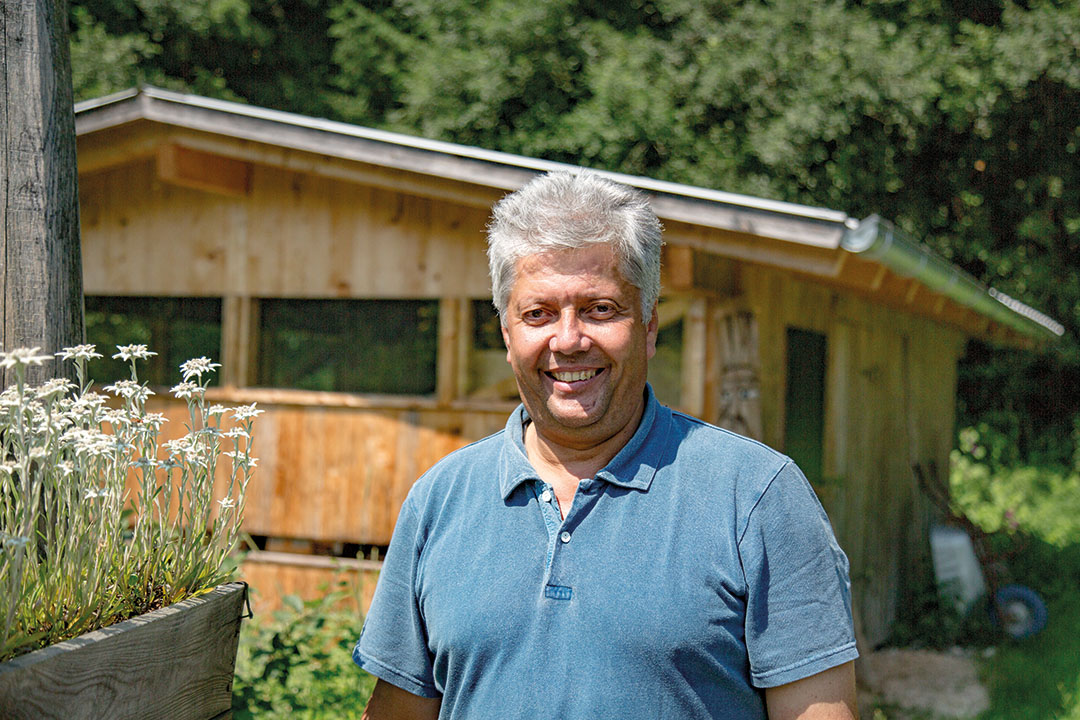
[[879, 240]]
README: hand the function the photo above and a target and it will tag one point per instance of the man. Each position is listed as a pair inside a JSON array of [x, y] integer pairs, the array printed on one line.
[[603, 556]]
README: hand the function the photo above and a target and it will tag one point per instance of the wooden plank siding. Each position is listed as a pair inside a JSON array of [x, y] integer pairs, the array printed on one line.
[[338, 474], [889, 403], [292, 235]]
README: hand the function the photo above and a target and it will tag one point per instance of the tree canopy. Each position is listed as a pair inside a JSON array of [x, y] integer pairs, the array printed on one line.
[[958, 120]]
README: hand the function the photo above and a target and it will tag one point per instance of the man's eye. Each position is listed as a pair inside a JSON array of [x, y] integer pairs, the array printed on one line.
[[603, 309], [535, 314]]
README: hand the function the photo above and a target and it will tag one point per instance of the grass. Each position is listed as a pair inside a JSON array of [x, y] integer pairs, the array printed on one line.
[[1039, 678]]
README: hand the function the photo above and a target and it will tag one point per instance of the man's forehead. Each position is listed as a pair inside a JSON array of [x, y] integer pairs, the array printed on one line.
[[571, 261]]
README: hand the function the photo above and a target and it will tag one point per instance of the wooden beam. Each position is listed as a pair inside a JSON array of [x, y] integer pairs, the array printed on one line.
[[912, 291], [879, 278], [40, 260], [678, 268], [200, 170], [448, 359], [695, 357]]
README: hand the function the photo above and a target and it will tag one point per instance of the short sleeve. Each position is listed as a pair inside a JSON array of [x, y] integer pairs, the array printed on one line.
[[393, 642], [798, 614]]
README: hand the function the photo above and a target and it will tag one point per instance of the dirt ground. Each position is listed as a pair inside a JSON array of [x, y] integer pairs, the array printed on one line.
[[920, 684]]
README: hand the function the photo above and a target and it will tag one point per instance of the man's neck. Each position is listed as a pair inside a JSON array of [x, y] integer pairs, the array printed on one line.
[[563, 466]]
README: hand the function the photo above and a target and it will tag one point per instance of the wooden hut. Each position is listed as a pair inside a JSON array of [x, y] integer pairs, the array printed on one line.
[[339, 274]]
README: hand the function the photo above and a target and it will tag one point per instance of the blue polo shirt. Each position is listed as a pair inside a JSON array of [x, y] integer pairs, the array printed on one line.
[[694, 570]]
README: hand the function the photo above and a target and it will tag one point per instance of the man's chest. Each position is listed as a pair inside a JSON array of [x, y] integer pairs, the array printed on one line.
[[623, 579]]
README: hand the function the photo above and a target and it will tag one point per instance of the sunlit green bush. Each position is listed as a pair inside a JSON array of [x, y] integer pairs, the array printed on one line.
[[1043, 501], [297, 664]]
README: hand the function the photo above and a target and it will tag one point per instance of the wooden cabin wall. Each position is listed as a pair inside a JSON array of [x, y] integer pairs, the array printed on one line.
[[292, 235], [889, 403], [337, 474]]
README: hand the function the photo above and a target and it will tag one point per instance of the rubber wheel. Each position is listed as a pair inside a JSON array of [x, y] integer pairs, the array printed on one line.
[[1020, 611]]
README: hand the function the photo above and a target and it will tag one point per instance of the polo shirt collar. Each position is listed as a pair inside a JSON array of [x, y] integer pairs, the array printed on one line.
[[632, 467]]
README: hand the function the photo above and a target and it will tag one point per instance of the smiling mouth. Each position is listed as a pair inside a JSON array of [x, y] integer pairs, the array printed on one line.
[[573, 376]]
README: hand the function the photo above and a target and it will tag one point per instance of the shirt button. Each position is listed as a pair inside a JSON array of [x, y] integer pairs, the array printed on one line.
[[546, 496], [565, 537]]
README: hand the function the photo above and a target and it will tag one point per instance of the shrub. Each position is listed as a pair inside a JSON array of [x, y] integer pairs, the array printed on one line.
[[298, 664]]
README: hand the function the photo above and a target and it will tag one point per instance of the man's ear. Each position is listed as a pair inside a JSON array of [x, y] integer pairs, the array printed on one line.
[[506, 339], [651, 331]]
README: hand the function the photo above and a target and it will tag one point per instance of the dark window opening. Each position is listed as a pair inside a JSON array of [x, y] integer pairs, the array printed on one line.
[[361, 346], [804, 403], [176, 328]]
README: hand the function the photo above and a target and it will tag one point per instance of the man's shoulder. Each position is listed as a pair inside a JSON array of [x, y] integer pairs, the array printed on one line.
[[693, 435]]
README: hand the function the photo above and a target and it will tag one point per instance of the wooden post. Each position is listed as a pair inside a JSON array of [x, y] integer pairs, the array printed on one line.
[[41, 301]]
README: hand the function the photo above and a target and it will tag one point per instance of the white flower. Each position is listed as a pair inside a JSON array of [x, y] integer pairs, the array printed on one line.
[[146, 462], [79, 352], [187, 389], [197, 366], [55, 386], [133, 352], [236, 432], [130, 389], [153, 420], [22, 357], [242, 460], [246, 411], [227, 503], [15, 541], [216, 410]]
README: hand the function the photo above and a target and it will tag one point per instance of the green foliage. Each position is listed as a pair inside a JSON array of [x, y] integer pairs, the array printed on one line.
[[298, 664], [996, 495]]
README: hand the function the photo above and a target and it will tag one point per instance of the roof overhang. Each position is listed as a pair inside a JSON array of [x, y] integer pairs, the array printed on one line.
[[806, 239]]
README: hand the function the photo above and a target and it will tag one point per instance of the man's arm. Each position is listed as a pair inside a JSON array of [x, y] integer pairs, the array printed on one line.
[[389, 702], [829, 695]]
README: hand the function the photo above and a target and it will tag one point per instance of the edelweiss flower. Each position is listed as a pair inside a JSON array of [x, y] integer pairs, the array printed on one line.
[[79, 352], [130, 389], [133, 352], [22, 357], [15, 541], [187, 389], [197, 366], [246, 411], [227, 503], [55, 386]]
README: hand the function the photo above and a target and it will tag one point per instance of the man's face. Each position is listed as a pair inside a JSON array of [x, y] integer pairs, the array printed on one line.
[[578, 345]]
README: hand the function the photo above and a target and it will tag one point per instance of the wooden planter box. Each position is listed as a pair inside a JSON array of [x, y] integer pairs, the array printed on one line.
[[175, 663]]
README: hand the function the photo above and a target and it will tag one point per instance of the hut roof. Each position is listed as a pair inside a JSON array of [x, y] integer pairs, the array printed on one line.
[[868, 256]]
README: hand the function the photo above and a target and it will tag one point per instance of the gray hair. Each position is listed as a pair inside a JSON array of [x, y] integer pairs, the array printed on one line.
[[568, 211]]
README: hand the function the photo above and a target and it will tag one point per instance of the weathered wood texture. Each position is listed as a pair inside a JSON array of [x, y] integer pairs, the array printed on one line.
[[40, 273], [339, 474], [292, 235], [889, 403], [175, 664], [273, 575]]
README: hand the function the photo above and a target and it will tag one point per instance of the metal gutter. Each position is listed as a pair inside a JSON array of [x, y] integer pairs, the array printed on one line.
[[879, 240]]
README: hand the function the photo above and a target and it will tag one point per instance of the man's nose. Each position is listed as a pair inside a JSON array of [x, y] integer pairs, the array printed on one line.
[[570, 335]]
